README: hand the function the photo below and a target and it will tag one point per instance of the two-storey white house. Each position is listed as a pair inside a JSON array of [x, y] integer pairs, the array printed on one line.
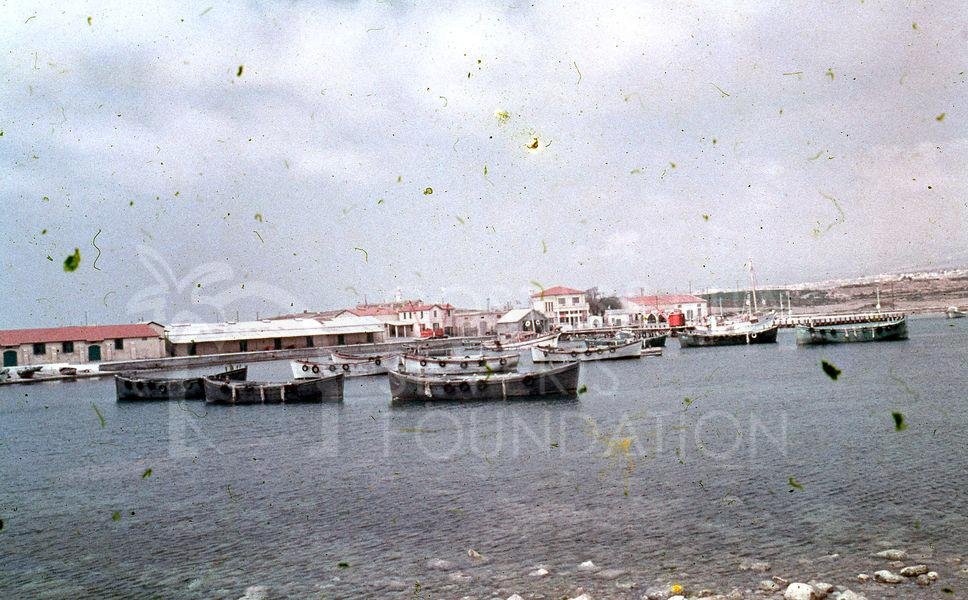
[[562, 305]]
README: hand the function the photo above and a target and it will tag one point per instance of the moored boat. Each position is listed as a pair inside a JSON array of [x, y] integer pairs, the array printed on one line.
[[954, 312], [550, 339], [655, 340], [557, 381], [220, 391], [731, 334], [442, 365], [632, 349], [874, 331], [379, 365], [132, 387], [657, 351]]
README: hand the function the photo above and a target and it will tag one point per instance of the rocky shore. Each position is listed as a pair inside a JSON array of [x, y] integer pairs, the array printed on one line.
[[892, 573]]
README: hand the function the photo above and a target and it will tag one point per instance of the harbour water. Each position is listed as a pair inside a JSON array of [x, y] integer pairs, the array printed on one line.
[[672, 469]]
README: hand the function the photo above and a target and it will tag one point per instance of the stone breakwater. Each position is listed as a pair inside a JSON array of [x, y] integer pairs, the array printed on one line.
[[905, 576]]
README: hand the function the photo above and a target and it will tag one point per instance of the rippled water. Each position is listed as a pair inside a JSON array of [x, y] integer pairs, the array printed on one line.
[[673, 469]]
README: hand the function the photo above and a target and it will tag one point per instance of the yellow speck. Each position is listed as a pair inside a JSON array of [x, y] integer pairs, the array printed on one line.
[[428, 191], [503, 116], [676, 588], [940, 117]]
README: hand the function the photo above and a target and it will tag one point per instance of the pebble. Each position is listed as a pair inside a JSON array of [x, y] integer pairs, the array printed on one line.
[[849, 595], [863, 578], [611, 573], [886, 576], [932, 575], [256, 592], [515, 597], [923, 580], [588, 566], [539, 572], [582, 597], [458, 577], [677, 598], [768, 586], [914, 570], [757, 566], [625, 585], [656, 593], [823, 589], [800, 591], [440, 564], [474, 554], [892, 554]]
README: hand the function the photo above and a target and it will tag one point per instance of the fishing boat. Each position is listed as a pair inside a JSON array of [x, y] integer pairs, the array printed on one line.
[[654, 340], [632, 349], [954, 312], [350, 365], [557, 381], [873, 331], [550, 339], [221, 391], [133, 387], [441, 365], [720, 332]]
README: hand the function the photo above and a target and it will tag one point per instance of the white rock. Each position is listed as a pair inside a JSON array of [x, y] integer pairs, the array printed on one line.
[[539, 572], [458, 577], [823, 589], [914, 570], [849, 595], [440, 564], [768, 586], [886, 576], [783, 582], [582, 597], [932, 575], [474, 554], [611, 573], [800, 591], [256, 592], [625, 585], [923, 580], [863, 578], [757, 566], [515, 597], [588, 566], [656, 593], [677, 597], [892, 554]]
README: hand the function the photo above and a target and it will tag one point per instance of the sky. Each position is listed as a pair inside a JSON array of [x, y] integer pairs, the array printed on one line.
[[233, 160]]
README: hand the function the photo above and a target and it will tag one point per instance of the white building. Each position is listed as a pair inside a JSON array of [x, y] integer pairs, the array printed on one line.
[[190, 339], [522, 320], [562, 305], [656, 309]]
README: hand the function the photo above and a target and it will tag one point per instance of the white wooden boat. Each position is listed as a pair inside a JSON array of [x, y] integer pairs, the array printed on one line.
[[471, 363], [221, 391], [550, 339], [311, 369], [631, 349], [954, 312]]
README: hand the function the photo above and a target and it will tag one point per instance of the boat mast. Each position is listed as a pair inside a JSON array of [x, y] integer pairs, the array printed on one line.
[[878, 288], [753, 284]]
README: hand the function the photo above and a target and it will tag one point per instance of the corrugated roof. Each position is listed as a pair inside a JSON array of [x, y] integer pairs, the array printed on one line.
[[665, 299], [515, 315], [558, 290], [271, 328], [81, 333]]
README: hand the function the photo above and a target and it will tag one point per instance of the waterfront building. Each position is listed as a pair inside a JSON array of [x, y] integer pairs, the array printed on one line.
[[656, 308], [82, 344], [426, 320], [471, 322], [562, 306], [522, 320]]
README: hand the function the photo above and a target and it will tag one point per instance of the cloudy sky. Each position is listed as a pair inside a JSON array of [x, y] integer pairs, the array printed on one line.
[[262, 157]]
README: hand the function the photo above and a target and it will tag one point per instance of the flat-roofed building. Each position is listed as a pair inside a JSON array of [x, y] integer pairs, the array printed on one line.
[[82, 344], [562, 305], [656, 308]]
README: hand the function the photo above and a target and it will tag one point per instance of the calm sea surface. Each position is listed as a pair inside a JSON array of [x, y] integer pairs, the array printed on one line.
[[673, 469]]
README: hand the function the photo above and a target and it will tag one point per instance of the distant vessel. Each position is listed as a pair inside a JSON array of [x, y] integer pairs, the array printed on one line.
[[134, 387], [954, 312], [557, 381], [219, 391], [874, 331], [731, 333], [442, 365], [631, 349]]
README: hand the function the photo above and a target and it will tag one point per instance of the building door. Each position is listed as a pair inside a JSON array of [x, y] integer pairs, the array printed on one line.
[[10, 358], [340, 340], [93, 353]]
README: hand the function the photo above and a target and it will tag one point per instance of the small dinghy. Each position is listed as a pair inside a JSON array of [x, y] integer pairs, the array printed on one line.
[[132, 387], [220, 391], [558, 381]]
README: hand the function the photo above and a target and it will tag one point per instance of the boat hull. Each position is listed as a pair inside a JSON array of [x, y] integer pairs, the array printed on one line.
[[545, 354], [153, 388], [556, 382], [451, 365], [844, 334], [307, 369], [655, 341], [954, 313], [548, 340], [310, 390], [693, 339]]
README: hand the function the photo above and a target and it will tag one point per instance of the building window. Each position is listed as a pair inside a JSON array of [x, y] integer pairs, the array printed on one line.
[[243, 345], [119, 344], [435, 312], [192, 349], [340, 340], [277, 343], [574, 300], [67, 347], [10, 358], [40, 349], [309, 341], [369, 338], [561, 301]]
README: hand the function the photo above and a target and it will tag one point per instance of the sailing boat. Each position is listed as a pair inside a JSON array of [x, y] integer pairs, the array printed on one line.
[[753, 328]]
